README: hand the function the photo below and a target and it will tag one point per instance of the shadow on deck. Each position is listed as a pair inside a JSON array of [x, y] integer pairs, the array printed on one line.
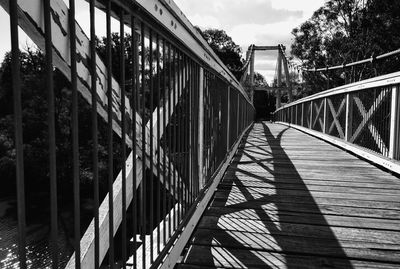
[[279, 205]]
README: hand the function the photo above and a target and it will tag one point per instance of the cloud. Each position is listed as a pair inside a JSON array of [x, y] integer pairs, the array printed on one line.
[[260, 22], [231, 13]]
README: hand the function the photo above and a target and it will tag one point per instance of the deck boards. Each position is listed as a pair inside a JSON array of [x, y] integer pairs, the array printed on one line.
[[289, 200]]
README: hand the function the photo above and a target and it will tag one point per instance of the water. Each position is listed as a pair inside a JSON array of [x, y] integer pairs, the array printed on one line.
[[38, 236]]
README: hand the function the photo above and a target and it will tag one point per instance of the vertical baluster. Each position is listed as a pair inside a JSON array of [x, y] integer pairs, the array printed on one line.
[[394, 123], [173, 120], [123, 133], [179, 134], [17, 105], [165, 173], [169, 206], [151, 204], [110, 162], [95, 158], [185, 133], [190, 129], [349, 116], [51, 130], [135, 108], [143, 193], [75, 141], [158, 201], [201, 128]]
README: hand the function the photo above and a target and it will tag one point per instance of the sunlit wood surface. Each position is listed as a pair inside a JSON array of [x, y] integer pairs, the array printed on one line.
[[290, 200]]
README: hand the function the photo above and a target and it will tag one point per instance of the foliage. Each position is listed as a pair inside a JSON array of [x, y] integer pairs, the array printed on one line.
[[35, 134], [344, 31], [226, 49]]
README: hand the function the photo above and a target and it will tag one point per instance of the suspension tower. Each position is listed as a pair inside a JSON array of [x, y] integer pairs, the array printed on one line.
[[282, 61]]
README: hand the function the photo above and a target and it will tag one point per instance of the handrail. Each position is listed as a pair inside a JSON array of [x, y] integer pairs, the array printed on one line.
[[372, 59], [362, 117], [385, 80], [173, 103]]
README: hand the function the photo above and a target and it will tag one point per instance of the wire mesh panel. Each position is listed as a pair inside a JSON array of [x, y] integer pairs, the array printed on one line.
[[370, 126]]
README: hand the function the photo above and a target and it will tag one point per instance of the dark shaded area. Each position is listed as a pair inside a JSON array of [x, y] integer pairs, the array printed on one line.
[[264, 103]]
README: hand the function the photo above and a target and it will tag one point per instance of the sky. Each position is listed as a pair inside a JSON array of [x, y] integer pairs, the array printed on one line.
[[259, 22]]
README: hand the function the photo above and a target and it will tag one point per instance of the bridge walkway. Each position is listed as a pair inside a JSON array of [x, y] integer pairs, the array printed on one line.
[[290, 200]]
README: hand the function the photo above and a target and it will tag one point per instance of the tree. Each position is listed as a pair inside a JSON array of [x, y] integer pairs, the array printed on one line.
[[344, 31], [226, 49]]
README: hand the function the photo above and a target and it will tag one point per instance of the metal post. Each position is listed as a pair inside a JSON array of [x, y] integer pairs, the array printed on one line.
[[325, 116], [288, 82], [228, 127], [201, 129], [252, 67], [279, 82], [349, 117], [394, 123], [311, 115]]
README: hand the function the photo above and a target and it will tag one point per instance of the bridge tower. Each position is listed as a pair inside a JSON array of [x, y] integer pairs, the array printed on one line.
[[282, 62]]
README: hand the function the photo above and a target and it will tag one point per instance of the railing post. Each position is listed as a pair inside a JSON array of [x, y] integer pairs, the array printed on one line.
[[311, 114], [279, 80], [394, 123], [302, 114], [201, 129], [325, 115], [349, 117], [228, 126], [238, 117]]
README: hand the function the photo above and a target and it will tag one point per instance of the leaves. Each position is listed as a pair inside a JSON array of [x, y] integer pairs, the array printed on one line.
[[227, 50], [344, 31]]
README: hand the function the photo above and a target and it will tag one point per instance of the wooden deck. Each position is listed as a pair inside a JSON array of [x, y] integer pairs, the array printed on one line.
[[289, 200]]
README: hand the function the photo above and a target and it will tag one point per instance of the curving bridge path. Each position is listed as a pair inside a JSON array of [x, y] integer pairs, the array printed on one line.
[[291, 200]]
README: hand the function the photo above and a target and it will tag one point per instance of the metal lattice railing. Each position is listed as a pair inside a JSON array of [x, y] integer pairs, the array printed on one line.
[[176, 110], [363, 114]]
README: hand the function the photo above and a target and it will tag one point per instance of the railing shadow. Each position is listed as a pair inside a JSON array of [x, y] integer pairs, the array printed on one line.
[[261, 223]]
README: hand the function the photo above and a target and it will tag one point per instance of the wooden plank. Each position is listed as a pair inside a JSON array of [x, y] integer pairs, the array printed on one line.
[[200, 257], [257, 182], [309, 188], [298, 245], [305, 218], [370, 237]]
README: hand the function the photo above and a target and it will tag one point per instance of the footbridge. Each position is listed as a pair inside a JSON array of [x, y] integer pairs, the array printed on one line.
[[166, 166]]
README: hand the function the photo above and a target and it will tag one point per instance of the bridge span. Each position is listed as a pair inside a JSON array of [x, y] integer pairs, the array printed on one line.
[[149, 156]]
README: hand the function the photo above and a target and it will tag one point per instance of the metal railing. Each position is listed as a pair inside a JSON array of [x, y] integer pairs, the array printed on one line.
[[362, 117], [176, 110]]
